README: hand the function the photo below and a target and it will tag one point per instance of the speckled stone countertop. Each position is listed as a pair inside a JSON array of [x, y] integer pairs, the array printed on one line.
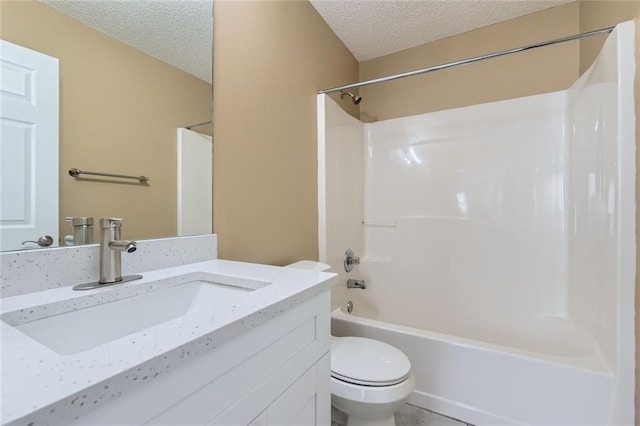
[[40, 386]]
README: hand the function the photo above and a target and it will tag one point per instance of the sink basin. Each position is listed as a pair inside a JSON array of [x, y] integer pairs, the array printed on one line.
[[155, 303]]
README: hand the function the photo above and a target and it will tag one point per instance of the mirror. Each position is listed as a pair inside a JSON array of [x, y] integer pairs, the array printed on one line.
[[120, 108]]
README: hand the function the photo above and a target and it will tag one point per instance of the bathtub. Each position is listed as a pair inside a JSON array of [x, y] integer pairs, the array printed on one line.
[[497, 242], [485, 383]]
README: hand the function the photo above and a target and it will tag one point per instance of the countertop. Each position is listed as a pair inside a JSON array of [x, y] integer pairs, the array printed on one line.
[[40, 386]]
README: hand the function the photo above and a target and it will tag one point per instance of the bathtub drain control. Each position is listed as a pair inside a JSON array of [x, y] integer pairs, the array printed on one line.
[[349, 306]]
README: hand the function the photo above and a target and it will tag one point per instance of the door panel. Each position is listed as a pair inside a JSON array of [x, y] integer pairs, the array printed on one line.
[[28, 146], [195, 183]]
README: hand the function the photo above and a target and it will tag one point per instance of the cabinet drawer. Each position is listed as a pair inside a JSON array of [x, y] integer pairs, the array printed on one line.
[[200, 407], [299, 401]]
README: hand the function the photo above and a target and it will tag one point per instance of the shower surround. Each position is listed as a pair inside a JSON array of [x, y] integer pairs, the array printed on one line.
[[498, 246]]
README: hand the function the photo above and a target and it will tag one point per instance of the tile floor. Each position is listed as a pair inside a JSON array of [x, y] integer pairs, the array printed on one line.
[[409, 415]]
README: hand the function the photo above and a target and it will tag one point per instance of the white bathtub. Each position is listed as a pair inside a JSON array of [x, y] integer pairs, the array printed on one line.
[[488, 384]]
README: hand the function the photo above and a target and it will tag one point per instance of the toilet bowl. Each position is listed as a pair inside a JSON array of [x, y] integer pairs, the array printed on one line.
[[370, 379]]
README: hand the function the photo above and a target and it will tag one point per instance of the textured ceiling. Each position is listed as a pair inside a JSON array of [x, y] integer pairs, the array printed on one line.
[[178, 32], [371, 28]]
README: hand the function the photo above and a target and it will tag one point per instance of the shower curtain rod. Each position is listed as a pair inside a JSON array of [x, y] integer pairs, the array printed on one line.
[[465, 61], [198, 124]]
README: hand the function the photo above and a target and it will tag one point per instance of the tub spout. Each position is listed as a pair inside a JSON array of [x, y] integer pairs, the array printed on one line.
[[361, 284]]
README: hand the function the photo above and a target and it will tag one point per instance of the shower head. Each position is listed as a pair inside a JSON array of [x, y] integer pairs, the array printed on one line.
[[356, 99]]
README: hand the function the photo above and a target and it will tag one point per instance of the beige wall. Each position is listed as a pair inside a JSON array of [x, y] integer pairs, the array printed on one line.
[[637, 101], [119, 110], [600, 14], [270, 59], [522, 74]]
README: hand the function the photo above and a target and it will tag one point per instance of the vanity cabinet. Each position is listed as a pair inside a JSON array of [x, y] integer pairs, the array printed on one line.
[[277, 373], [305, 402]]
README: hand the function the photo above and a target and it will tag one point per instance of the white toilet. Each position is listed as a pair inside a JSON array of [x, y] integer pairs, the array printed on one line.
[[370, 379]]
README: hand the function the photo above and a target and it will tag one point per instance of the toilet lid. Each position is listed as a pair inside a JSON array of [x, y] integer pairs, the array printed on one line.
[[368, 362]]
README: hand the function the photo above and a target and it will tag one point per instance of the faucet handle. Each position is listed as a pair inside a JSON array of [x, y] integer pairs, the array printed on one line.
[[349, 260], [110, 222]]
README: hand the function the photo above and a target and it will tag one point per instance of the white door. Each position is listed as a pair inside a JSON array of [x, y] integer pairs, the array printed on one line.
[[28, 147], [195, 183]]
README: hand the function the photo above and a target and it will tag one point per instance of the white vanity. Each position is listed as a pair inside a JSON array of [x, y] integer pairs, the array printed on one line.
[[204, 342]]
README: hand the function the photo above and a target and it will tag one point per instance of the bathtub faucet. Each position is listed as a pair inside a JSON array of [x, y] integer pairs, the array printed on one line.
[[349, 260], [361, 284]]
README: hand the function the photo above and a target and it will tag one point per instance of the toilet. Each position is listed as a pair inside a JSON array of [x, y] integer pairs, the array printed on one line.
[[370, 379]]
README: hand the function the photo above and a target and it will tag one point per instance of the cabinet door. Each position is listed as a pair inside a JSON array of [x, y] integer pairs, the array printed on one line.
[[261, 420], [306, 402]]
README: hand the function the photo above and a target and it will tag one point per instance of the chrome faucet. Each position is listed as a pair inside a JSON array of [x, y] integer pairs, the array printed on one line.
[[111, 247]]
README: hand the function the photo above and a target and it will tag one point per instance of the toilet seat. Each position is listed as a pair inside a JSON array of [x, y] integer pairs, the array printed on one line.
[[372, 394], [368, 362]]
